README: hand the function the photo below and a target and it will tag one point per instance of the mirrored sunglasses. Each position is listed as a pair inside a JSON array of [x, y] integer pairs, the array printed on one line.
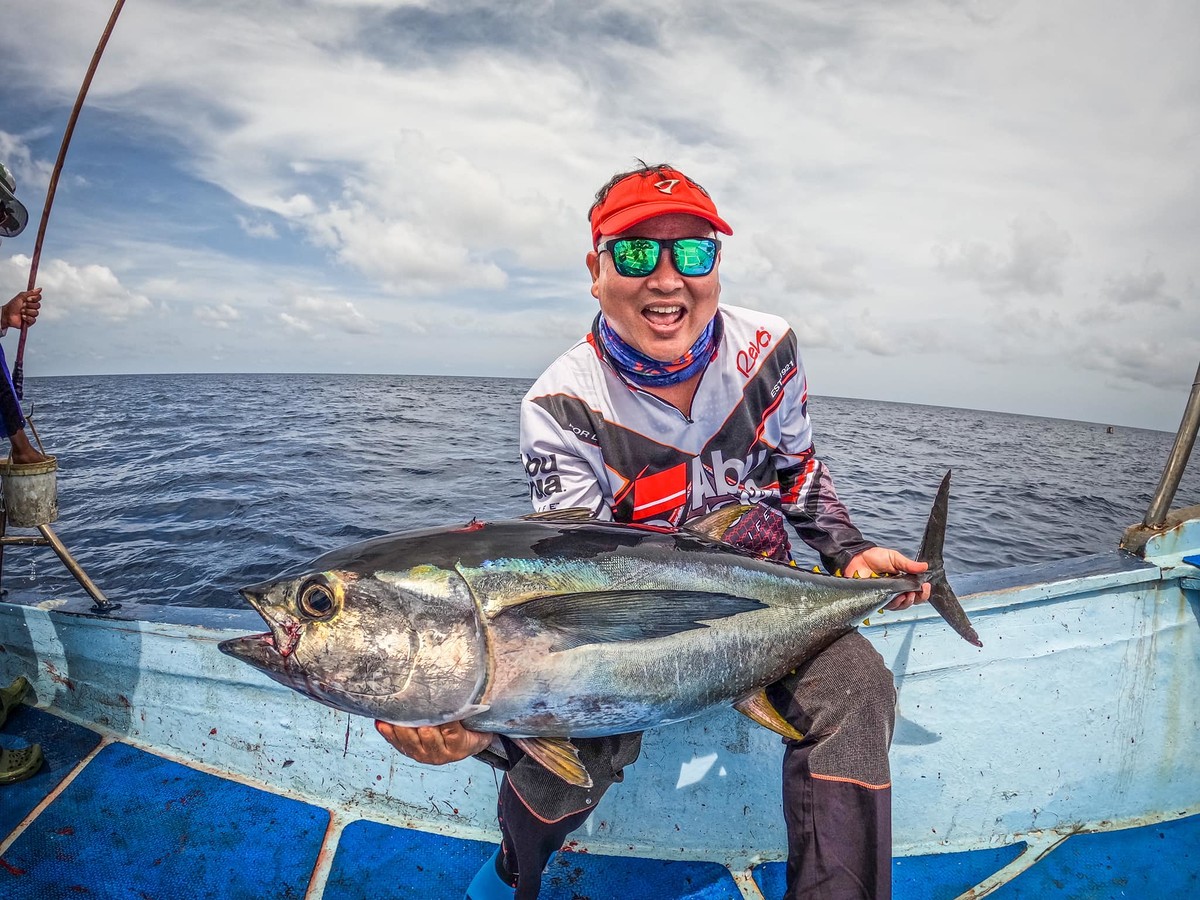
[[637, 257]]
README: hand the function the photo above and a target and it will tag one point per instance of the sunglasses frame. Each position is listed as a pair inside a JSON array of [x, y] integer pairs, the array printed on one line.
[[663, 244]]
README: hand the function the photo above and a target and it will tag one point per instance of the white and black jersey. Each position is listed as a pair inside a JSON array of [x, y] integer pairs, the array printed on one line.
[[590, 438]]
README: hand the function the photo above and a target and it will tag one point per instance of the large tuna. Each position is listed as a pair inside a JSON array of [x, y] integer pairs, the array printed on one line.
[[556, 626]]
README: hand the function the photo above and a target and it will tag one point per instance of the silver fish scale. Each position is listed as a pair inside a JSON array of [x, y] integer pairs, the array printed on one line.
[[612, 687], [503, 583]]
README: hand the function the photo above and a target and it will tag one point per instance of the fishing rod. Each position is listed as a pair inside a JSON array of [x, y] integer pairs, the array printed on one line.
[[18, 372]]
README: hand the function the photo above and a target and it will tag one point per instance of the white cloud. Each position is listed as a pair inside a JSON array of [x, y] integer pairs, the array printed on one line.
[[309, 313], [70, 291], [429, 165], [220, 315], [294, 323], [257, 229], [1149, 287], [1032, 263]]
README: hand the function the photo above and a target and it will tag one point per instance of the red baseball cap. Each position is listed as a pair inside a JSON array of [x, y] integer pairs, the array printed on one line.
[[644, 195]]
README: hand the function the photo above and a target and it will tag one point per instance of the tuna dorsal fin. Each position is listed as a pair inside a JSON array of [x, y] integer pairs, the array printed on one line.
[[558, 755], [714, 525], [761, 710], [599, 617], [574, 514]]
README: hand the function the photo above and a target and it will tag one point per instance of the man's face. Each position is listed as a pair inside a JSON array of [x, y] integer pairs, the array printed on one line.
[[663, 313]]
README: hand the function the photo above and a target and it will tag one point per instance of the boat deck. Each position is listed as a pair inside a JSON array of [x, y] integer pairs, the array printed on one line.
[[106, 819]]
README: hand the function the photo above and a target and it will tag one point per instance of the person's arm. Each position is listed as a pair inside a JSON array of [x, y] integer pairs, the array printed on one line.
[[559, 474], [811, 504]]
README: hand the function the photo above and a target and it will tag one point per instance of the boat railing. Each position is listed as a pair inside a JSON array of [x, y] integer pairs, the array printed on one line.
[[1158, 515], [1185, 439]]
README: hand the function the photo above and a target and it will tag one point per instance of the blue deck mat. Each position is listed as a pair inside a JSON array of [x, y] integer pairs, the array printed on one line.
[[374, 861], [64, 744], [939, 877], [1154, 862], [135, 825]]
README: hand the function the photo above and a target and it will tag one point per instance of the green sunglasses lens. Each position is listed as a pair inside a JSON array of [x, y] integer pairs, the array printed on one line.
[[695, 256], [635, 257], [638, 257]]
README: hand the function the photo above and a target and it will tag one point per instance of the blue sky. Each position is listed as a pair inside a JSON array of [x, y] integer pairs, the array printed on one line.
[[981, 204]]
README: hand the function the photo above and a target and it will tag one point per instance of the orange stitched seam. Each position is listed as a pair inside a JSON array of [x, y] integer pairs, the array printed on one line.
[[870, 787], [512, 787]]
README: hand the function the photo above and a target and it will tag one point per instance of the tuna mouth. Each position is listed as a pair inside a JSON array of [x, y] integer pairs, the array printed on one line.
[[257, 649], [291, 632], [268, 638], [664, 315], [265, 646]]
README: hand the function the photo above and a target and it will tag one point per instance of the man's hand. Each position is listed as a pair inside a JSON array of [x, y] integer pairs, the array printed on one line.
[[435, 745], [22, 309], [882, 561]]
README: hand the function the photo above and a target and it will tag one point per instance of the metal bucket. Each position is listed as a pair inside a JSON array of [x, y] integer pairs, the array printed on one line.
[[30, 492]]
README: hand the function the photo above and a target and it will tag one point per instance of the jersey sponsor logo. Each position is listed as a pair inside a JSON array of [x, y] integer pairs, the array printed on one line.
[[542, 472], [785, 375], [746, 359], [655, 496], [720, 480], [701, 484]]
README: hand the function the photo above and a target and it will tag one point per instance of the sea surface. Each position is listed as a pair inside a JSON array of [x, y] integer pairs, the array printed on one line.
[[178, 489]]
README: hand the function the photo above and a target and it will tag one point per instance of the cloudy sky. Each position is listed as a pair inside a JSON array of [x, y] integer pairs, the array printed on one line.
[[989, 204]]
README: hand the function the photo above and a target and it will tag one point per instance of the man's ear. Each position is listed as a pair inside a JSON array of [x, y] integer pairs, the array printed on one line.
[[593, 264]]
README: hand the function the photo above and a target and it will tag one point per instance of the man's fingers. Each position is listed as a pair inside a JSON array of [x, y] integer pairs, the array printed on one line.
[[434, 744]]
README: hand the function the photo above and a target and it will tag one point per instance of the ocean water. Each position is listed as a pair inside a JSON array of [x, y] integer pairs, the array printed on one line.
[[178, 489]]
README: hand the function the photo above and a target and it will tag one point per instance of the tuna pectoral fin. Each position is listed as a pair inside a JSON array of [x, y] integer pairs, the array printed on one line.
[[606, 617], [761, 710], [942, 596], [559, 756]]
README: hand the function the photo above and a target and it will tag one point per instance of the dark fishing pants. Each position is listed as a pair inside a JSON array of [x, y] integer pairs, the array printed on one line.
[[10, 407], [837, 798], [837, 786], [537, 810]]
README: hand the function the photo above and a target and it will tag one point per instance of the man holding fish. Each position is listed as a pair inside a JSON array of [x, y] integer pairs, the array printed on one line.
[[673, 406]]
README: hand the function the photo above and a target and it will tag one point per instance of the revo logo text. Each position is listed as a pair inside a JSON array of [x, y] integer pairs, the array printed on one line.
[[748, 357]]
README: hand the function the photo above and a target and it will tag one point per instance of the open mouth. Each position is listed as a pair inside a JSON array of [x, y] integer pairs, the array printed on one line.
[[664, 315], [291, 631]]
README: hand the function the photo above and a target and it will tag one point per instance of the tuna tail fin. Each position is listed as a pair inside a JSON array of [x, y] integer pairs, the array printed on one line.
[[942, 597]]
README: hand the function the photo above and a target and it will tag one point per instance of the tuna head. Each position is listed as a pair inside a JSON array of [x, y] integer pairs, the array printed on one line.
[[405, 647]]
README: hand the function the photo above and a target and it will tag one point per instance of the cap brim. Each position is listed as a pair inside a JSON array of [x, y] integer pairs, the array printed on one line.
[[627, 218]]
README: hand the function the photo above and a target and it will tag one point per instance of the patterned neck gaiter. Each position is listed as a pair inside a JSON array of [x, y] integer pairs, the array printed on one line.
[[646, 372]]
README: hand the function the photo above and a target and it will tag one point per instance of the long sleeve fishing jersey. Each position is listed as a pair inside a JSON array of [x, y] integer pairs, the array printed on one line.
[[589, 438]]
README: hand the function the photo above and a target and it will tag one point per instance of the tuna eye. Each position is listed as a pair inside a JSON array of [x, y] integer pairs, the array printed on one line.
[[316, 600]]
